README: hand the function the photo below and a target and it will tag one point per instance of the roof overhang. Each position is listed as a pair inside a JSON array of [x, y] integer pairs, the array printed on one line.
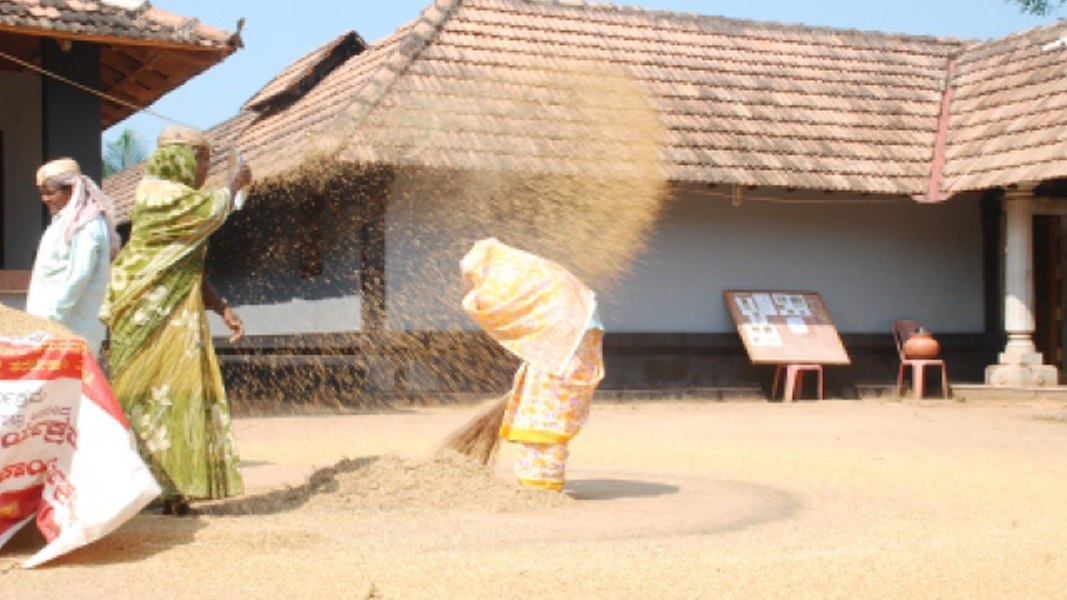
[[136, 71]]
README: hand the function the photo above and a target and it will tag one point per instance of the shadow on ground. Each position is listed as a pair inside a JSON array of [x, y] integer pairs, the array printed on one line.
[[612, 489], [137, 540]]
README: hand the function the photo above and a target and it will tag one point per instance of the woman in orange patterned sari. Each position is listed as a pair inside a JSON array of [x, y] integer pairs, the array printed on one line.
[[547, 317]]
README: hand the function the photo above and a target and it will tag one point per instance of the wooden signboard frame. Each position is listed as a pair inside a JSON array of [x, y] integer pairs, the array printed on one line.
[[785, 327]]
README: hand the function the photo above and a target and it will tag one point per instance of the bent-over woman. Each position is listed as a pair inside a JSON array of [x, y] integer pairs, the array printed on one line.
[[547, 317]]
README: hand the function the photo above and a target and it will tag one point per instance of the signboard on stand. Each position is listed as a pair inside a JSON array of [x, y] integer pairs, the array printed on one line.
[[785, 327]]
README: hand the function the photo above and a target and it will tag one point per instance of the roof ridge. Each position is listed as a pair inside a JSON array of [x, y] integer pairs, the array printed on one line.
[[340, 49], [1016, 35], [605, 4], [127, 5], [423, 31], [320, 48]]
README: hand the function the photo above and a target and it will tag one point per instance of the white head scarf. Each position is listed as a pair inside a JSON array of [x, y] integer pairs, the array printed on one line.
[[86, 202]]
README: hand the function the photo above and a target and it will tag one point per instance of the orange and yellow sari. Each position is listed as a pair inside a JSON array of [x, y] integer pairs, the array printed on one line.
[[546, 316]]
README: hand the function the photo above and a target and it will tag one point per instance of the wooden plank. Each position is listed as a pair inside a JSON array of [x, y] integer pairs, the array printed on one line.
[[15, 281], [1050, 206], [147, 80], [23, 47], [785, 327]]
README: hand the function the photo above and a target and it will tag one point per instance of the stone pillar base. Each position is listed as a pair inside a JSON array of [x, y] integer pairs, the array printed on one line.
[[1021, 375], [1025, 358]]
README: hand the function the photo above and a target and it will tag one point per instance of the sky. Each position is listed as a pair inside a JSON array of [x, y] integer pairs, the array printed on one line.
[[277, 32]]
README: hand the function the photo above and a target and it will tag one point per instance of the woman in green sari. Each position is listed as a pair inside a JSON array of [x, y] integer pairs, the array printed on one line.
[[163, 365]]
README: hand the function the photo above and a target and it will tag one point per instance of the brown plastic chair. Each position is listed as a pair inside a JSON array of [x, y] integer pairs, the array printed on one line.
[[902, 332]]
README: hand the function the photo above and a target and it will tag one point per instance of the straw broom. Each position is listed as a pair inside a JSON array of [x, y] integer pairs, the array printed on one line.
[[480, 438]]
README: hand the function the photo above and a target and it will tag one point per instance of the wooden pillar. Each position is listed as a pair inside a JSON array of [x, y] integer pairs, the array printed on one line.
[[310, 214], [1020, 365], [71, 116], [992, 206], [373, 283]]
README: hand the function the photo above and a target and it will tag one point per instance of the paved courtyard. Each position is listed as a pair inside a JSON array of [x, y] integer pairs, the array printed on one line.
[[831, 499]]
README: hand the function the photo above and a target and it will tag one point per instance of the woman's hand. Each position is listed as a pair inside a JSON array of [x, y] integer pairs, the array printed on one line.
[[241, 179], [234, 322], [214, 302]]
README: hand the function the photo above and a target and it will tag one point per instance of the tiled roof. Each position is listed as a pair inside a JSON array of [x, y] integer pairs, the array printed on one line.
[[743, 102], [267, 137], [1009, 112], [145, 52], [90, 18], [483, 84], [122, 186]]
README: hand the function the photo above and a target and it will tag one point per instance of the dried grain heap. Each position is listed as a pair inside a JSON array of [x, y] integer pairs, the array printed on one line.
[[447, 481], [444, 482], [15, 323]]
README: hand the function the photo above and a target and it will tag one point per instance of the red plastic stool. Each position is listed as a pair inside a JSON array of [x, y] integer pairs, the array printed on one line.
[[794, 380]]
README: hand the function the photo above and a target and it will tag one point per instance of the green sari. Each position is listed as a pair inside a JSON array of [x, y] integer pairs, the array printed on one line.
[[163, 365]]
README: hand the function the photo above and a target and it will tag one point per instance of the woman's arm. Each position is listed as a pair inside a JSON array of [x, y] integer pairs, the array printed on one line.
[[215, 303]]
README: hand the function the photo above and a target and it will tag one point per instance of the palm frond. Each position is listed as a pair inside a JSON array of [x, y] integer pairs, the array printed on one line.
[[123, 153]]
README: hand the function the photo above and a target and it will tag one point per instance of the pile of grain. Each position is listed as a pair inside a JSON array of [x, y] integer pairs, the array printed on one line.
[[15, 323], [447, 481], [444, 482]]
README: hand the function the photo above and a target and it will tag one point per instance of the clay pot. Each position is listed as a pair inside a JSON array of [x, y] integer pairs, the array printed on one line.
[[921, 345]]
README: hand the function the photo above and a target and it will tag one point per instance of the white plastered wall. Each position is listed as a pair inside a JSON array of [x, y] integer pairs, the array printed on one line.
[[873, 259]]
